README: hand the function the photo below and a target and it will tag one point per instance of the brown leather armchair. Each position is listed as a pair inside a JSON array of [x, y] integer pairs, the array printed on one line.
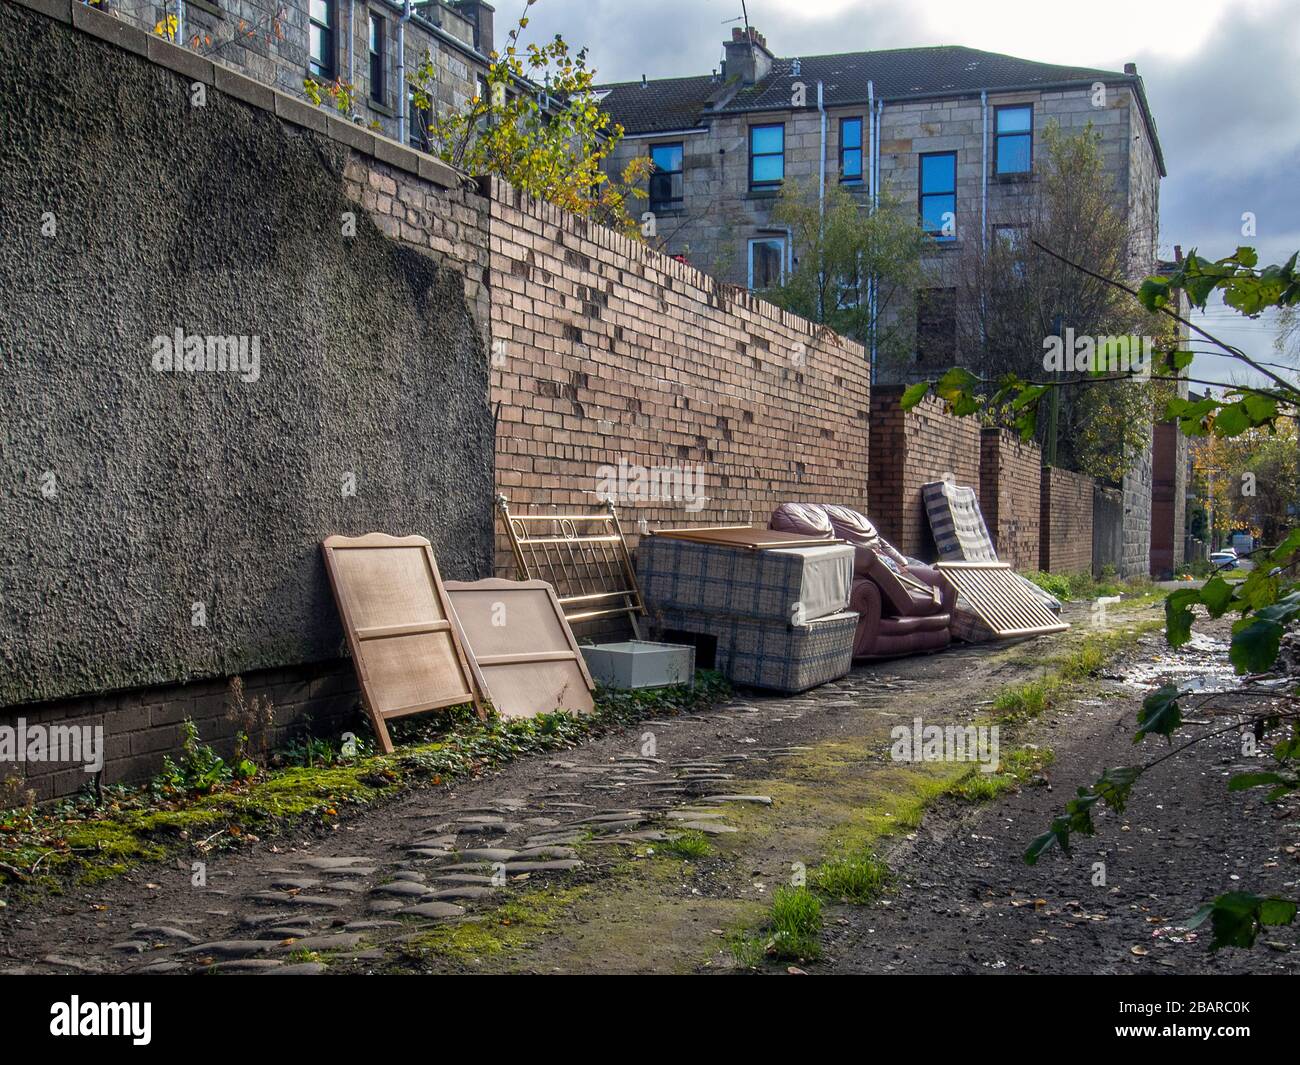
[[904, 606]]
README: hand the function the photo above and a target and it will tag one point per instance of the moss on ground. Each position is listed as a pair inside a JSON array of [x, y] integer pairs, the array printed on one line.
[[83, 842]]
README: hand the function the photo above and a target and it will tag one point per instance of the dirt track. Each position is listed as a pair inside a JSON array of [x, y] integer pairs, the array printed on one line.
[[558, 864]]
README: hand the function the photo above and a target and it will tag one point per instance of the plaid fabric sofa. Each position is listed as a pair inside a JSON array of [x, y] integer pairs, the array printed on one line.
[[770, 654], [775, 618]]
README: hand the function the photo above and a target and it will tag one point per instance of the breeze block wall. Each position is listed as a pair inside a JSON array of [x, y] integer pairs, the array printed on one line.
[[909, 449], [1066, 521], [606, 352], [1010, 475]]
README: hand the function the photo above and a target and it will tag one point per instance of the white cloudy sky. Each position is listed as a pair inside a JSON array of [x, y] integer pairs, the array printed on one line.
[[1223, 79]]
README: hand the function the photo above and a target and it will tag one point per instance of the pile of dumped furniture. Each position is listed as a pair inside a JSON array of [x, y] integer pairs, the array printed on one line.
[[786, 607]]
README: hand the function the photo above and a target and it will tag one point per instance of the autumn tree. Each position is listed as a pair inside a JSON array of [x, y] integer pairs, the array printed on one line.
[[1011, 297], [844, 248], [537, 124]]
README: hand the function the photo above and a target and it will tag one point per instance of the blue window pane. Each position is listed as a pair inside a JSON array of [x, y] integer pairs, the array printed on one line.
[[938, 173], [768, 168], [317, 45], [1014, 119], [764, 139], [853, 163], [667, 157], [933, 209], [851, 133], [1014, 154]]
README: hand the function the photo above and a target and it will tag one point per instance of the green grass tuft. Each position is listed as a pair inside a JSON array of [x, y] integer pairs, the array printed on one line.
[[689, 845], [859, 879]]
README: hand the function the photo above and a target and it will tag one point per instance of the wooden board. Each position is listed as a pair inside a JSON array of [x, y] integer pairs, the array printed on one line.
[[751, 538], [520, 646], [408, 654], [998, 599]]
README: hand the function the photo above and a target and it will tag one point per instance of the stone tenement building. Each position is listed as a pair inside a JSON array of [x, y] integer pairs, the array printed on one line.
[[355, 42], [954, 130]]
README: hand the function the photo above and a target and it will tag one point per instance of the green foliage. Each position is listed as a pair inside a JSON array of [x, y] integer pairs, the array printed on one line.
[[1238, 918], [859, 879], [538, 126], [199, 770], [844, 246], [689, 846], [794, 924]]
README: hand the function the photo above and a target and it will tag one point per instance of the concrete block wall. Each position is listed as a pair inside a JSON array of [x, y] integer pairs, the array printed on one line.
[[1066, 521], [1107, 531], [142, 726], [1010, 475], [908, 450]]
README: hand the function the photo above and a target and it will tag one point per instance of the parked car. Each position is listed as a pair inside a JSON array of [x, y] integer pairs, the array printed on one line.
[[1226, 559]]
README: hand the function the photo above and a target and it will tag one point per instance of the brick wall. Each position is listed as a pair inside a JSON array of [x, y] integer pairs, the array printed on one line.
[[606, 352], [909, 450], [1066, 521], [1010, 474]]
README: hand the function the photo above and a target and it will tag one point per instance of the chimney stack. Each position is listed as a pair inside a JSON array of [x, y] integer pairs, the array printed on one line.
[[1131, 68], [747, 56]]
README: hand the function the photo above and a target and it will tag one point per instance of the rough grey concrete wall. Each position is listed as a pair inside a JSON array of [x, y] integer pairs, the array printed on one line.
[[1136, 559], [1107, 530], [129, 495]]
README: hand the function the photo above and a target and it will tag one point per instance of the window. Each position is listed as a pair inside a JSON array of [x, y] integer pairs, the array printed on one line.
[[1010, 237], [417, 122], [378, 58], [666, 187], [936, 327], [766, 156], [851, 150], [1013, 142], [939, 195], [766, 262], [320, 38]]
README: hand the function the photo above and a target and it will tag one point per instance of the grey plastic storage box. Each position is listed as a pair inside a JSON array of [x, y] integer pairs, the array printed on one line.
[[641, 664]]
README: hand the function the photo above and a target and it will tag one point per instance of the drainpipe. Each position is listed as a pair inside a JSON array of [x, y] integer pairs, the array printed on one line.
[[821, 208], [875, 205], [984, 209], [871, 203], [403, 108], [984, 172], [180, 22], [352, 32]]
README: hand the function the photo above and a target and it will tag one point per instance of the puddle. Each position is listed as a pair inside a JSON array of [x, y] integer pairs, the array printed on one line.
[[1200, 665]]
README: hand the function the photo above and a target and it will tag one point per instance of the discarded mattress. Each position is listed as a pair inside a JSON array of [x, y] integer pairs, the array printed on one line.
[[768, 653], [785, 584], [998, 598], [960, 535]]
